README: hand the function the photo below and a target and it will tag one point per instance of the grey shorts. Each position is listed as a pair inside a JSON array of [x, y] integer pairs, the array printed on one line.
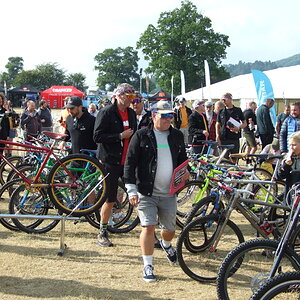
[[250, 139], [158, 209]]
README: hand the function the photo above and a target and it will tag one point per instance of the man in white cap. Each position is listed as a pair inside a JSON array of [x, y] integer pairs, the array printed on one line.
[[153, 154]]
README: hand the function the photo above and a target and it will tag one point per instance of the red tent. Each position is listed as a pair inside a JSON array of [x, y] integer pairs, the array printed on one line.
[[56, 94]]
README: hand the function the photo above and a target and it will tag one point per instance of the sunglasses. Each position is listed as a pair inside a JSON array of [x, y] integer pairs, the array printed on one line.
[[130, 96], [136, 101], [166, 116]]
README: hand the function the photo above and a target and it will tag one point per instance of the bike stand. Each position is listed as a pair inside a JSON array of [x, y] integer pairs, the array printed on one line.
[[62, 245]]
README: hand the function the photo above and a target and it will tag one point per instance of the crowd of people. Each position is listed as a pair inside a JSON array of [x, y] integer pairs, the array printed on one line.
[[143, 147]]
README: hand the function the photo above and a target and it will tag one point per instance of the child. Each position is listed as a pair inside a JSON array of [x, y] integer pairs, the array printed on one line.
[[291, 162], [272, 149]]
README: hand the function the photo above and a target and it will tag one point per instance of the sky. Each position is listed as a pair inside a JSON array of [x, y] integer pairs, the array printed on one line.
[[72, 32]]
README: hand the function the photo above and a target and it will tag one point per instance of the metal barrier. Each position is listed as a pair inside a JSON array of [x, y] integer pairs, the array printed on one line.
[[63, 219]]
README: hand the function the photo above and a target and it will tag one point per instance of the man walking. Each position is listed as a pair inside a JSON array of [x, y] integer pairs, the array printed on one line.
[[230, 122], [115, 124], [248, 131], [154, 152], [265, 125]]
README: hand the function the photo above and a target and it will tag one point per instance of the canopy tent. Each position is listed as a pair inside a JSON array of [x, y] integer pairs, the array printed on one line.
[[160, 95], [17, 94], [284, 82], [56, 94]]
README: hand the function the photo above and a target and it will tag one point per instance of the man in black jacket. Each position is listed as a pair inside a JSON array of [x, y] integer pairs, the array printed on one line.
[[115, 124], [154, 152], [230, 122], [45, 116], [79, 126], [265, 125]]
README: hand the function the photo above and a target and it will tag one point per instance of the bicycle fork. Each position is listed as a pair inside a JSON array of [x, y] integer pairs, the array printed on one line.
[[220, 229]]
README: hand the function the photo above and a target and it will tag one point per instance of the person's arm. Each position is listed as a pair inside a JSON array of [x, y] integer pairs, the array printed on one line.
[[218, 132], [283, 136]]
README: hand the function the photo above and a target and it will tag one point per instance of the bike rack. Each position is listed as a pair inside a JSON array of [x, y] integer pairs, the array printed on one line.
[[62, 245]]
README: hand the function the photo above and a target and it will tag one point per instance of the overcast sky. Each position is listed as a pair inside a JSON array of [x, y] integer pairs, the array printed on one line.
[[72, 32]]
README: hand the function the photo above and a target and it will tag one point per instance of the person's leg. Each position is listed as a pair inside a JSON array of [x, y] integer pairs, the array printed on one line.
[[167, 219], [147, 210], [115, 172]]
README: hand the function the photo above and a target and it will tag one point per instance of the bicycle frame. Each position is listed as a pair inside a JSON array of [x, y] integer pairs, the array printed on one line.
[[47, 151]]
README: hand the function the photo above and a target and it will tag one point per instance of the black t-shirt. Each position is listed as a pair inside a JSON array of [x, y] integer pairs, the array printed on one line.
[[249, 114], [81, 132], [224, 115]]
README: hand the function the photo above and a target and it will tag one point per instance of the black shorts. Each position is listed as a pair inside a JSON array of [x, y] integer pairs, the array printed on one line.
[[236, 148], [115, 172]]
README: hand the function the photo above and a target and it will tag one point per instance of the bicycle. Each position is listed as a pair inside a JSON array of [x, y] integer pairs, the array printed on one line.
[[259, 260], [75, 184], [207, 233], [286, 285]]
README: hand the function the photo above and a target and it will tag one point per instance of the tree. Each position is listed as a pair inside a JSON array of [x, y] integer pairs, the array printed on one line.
[[182, 40], [14, 66], [116, 66], [77, 80], [42, 77]]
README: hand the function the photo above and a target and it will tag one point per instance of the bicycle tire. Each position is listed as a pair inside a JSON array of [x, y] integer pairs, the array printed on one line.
[[5, 195], [204, 208], [185, 197], [37, 203], [5, 168], [23, 168], [203, 266], [248, 266], [122, 214], [67, 198], [285, 283]]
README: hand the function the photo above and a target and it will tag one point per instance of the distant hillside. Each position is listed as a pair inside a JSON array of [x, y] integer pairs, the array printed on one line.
[[245, 68]]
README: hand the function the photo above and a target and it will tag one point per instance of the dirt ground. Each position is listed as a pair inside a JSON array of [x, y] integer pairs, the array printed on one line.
[[31, 268]]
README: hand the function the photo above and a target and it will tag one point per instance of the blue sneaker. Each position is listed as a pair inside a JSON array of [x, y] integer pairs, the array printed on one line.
[[170, 253], [148, 275]]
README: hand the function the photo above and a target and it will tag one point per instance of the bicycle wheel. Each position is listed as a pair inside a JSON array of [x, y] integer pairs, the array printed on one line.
[[123, 217], [203, 266], [247, 267], [284, 286], [206, 206], [25, 169], [83, 194], [6, 192], [5, 168], [189, 193], [32, 202]]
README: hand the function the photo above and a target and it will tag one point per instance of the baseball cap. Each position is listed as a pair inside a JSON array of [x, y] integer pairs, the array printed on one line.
[[197, 103], [162, 107], [181, 99], [208, 104], [74, 101]]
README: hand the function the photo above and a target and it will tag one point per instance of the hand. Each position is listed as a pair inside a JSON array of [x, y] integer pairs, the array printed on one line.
[[234, 129], [127, 133], [219, 141], [43, 120], [206, 133], [134, 200]]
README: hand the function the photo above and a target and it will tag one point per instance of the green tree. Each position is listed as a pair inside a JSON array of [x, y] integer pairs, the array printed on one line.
[[115, 66], [42, 77], [182, 40], [14, 66], [77, 80]]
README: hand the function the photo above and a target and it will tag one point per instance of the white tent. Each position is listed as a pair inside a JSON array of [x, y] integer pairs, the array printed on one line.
[[284, 82]]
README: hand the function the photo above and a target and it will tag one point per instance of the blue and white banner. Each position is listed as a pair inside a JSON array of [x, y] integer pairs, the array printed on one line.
[[264, 91]]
